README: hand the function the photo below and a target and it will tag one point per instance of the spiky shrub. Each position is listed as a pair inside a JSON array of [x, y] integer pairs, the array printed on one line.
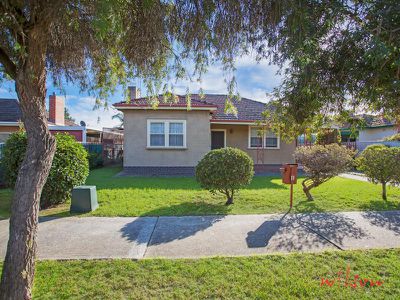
[[321, 163], [226, 171], [70, 166], [380, 164]]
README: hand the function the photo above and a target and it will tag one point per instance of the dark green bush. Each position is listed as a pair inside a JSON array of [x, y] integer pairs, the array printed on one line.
[[95, 160], [70, 166], [226, 171], [380, 164]]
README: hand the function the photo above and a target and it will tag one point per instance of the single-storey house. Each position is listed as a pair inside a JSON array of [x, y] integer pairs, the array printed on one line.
[[375, 128], [10, 119], [172, 139]]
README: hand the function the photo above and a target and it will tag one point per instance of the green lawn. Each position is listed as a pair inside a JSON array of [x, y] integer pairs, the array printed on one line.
[[140, 196], [292, 276]]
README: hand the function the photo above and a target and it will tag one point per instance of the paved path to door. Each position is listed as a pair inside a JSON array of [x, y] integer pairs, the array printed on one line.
[[176, 237]]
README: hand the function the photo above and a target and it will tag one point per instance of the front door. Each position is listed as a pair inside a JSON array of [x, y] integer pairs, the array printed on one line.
[[217, 139]]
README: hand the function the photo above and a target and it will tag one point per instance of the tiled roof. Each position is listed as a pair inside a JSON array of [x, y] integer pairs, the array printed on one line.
[[376, 121], [370, 121], [248, 110], [180, 102], [9, 110]]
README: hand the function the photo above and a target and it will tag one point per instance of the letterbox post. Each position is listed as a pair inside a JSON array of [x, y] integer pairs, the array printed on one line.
[[289, 176]]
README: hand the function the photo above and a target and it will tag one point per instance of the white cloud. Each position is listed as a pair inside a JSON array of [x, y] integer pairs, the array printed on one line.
[[82, 109], [254, 79]]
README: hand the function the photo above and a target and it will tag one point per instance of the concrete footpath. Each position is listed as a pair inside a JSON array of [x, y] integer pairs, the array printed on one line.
[[200, 236]]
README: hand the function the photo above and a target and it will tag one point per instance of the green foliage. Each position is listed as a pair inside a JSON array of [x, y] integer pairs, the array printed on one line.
[[225, 170], [67, 115], [13, 155], [326, 136], [95, 160], [69, 168], [380, 164], [343, 54], [393, 138]]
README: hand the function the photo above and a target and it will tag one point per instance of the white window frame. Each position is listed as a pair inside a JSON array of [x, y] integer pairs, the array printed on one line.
[[278, 145], [166, 133], [224, 130]]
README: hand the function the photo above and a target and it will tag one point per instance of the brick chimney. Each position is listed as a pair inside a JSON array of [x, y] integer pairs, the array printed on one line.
[[56, 110], [134, 92]]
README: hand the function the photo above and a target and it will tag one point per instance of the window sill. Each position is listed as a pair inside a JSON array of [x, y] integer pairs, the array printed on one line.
[[263, 148], [166, 148]]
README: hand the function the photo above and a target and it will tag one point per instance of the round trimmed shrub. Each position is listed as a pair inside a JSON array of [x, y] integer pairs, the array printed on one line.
[[70, 166], [226, 171], [380, 164]]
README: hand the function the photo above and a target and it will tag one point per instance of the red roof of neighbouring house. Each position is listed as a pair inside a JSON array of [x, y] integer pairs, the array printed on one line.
[[247, 110]]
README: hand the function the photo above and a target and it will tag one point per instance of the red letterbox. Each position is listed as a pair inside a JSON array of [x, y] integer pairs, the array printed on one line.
[[289, 176], [289, 173]]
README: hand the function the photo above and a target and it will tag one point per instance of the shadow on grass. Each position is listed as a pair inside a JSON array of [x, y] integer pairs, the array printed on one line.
[[176, 183], [381, 205]]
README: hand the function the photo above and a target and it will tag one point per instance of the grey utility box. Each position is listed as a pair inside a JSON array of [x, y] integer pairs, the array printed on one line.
[[84, 199]]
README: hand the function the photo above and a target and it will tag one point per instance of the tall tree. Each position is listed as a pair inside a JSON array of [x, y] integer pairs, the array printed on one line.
[[342, 58], [67, 115], [97, 44]]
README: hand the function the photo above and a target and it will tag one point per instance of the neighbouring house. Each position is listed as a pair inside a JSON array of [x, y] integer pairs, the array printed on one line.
[[375, 128], [10, 119], [171, 139]]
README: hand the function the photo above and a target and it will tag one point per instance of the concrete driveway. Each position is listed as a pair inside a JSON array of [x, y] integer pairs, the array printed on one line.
[[200, 236]]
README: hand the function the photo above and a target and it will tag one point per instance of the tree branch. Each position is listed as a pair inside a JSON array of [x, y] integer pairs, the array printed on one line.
[[8, 64]]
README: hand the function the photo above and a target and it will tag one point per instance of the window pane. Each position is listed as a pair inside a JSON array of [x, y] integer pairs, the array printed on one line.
[[271, 134], [255, 132], [255, 142], [157, 140], [157, 128], [271, 142], [255, 137], [176, 128], [176, 140]]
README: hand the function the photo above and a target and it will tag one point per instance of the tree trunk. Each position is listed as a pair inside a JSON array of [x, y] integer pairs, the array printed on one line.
[[229, 196], [229, 201], [19, 264], [384, 197], [306, 190]]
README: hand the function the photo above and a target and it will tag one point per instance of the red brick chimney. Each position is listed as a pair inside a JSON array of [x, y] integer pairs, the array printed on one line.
[[56, 110]]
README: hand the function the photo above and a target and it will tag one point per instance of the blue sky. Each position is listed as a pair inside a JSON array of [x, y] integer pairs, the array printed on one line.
[[254, 81]]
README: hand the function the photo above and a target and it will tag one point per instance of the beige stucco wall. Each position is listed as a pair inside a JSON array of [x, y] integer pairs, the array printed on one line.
[[376, 134], [136, 153], [238, 136]]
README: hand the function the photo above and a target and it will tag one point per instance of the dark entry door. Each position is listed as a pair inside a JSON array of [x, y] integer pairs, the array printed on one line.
[[217, 139]]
